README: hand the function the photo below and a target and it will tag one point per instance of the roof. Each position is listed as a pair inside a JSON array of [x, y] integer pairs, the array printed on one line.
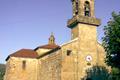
[[24, 53], [48, 46]]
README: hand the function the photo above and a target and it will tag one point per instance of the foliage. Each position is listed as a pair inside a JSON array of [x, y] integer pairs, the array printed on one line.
[[115, 74], [98, 73], [2, 71], [111, 41]]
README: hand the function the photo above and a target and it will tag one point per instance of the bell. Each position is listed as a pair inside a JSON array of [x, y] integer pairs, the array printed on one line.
[[87, 9]]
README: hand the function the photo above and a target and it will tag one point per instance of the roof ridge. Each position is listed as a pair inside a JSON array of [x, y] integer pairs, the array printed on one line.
[[47, 46]]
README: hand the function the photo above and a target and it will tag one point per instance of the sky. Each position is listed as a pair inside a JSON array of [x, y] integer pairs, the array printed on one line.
[[29, 23]]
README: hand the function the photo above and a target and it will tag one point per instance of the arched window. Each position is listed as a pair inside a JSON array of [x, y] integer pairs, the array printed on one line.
[[76, 12], [87, 8]]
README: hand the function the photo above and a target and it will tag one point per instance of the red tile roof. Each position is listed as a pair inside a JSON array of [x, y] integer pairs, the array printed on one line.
[[29, 53], [48, 46], [24, 53]]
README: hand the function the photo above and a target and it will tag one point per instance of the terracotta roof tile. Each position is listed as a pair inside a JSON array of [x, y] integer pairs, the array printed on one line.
[[25, 53]]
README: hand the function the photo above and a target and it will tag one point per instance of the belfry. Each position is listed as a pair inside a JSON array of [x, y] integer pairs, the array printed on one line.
[[83, 13]]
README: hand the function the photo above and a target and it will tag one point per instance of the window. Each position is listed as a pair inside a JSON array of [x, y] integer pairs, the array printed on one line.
[[76, 12], [23, 64], [68, 52], [87, 9]]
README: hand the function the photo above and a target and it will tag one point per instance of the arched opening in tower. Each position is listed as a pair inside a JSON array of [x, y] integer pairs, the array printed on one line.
[[87, 9]]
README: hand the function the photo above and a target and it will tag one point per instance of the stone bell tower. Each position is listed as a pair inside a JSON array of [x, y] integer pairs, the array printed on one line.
[[51, 39], [83, 7], [83, 12], [83, 26]]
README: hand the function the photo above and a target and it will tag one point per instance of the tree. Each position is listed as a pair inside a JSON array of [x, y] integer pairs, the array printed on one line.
[[2, 71], [97, 73], [111, 41], [115, 74]]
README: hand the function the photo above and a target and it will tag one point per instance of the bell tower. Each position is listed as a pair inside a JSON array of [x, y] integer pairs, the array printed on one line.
[[83, 25], [51, 39], [83, 12], [83, 7]]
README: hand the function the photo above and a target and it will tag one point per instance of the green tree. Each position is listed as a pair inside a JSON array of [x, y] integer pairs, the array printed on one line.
[[111, 41], [97, 73], [2, 71], [115, 74]]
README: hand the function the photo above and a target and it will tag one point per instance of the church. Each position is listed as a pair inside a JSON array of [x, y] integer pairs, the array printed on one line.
[[68, 61]]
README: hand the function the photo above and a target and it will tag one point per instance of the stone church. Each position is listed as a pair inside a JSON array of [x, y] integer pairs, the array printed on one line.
[[68, 61]]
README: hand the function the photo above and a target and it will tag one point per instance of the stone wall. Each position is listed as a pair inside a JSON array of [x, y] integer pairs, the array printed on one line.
[[69, 70], [75, 65], [50, 67], [87, 47], [16, 70], [102, 55], [74, 33]]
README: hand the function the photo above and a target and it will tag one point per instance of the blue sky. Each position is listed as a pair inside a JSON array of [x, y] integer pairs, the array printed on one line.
[[28, 23]]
